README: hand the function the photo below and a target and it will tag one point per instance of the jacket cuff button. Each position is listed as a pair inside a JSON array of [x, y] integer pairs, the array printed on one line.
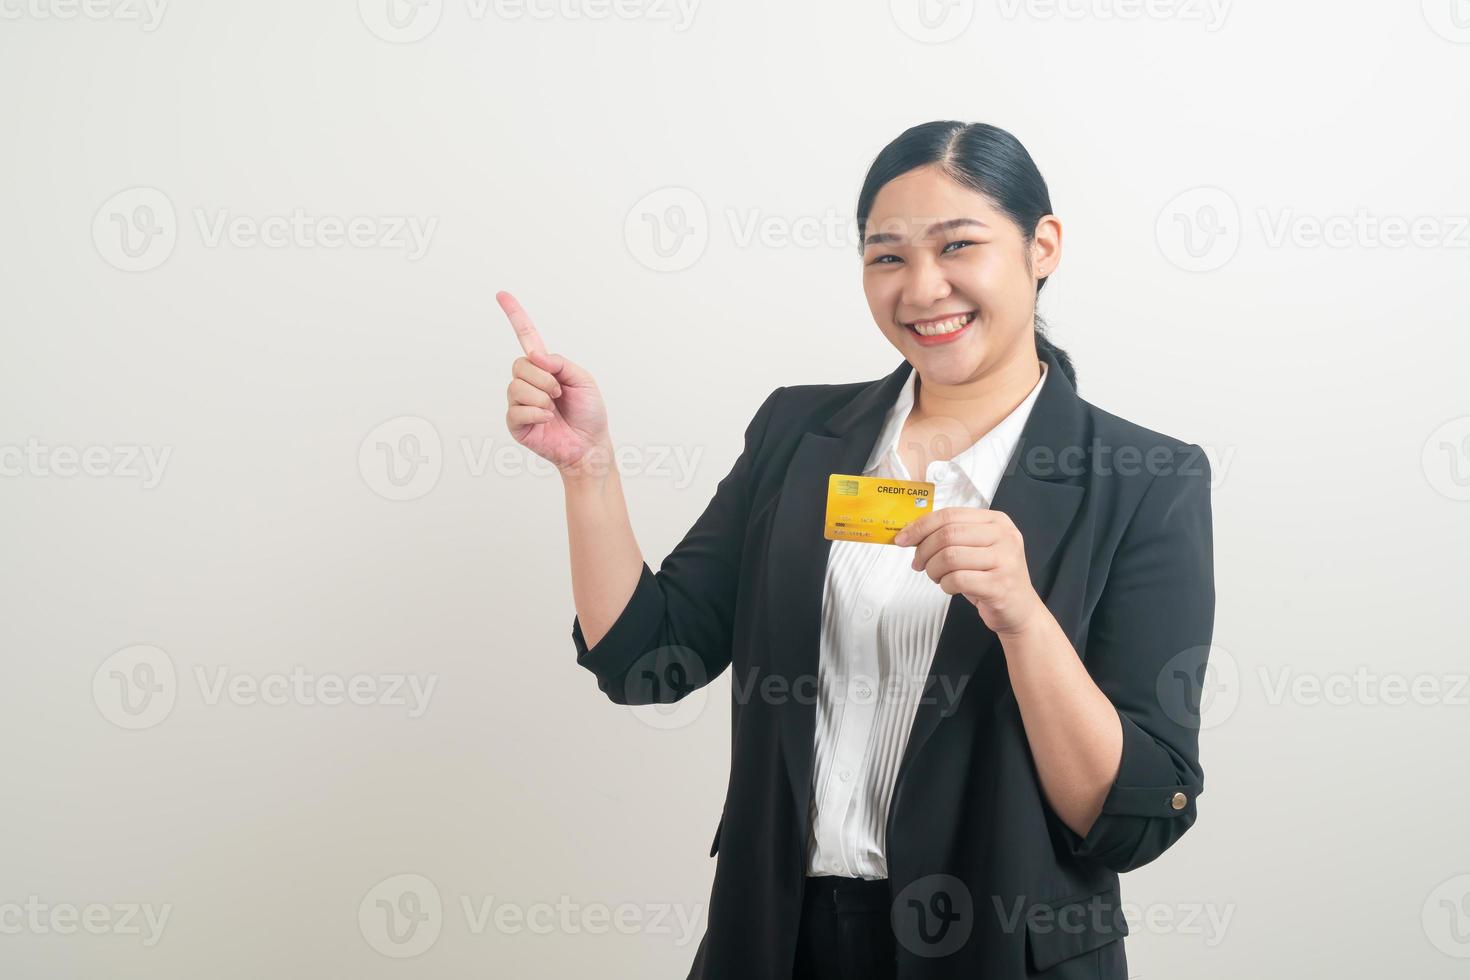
[[1178, 801]]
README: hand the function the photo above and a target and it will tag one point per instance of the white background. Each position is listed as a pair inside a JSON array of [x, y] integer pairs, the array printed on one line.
[[1191, 152]]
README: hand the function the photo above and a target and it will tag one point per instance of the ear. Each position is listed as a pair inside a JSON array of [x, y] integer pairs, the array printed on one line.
[[1046, 246]]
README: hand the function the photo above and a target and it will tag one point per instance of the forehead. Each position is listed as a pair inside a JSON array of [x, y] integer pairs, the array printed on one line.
[[911, 202]]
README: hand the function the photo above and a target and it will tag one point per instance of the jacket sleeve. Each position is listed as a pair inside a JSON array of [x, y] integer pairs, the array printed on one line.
[[1147, 649], [675, 633]]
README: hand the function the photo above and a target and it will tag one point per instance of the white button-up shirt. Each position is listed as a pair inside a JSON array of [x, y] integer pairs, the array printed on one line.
[[881, 621]]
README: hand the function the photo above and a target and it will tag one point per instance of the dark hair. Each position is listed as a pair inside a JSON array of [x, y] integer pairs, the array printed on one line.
[[985, 158]]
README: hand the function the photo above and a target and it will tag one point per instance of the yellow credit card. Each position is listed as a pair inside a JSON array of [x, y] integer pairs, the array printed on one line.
[[874, 508]]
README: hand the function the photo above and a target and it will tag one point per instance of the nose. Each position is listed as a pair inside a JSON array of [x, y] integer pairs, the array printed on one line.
[[924, 286]]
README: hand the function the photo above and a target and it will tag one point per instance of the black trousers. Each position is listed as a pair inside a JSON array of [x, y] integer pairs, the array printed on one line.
[[845, 930]]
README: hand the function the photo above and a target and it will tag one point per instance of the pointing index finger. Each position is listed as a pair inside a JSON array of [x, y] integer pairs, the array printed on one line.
[[520, 320]]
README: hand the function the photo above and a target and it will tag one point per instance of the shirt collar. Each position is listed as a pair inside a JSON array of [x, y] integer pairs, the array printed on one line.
[[983, 463]]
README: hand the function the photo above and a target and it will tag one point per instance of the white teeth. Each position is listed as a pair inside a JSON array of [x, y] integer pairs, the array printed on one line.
[[943, 326]]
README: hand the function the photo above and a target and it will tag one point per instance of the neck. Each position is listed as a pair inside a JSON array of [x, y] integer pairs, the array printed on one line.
[[980, 402]]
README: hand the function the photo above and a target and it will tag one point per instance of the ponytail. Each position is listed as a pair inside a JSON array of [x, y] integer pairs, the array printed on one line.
[[1044, 345]]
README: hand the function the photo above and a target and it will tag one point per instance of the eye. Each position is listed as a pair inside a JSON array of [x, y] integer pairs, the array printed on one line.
[[879, 260], [952, 244]]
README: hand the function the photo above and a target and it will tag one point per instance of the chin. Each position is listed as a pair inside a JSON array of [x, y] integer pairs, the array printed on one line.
[[948, 364], [946, 370]]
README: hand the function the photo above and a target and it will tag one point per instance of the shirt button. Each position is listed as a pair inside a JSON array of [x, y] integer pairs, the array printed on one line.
[[867, 612], [845, 775]]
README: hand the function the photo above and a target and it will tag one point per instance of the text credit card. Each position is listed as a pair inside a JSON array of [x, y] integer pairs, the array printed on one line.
[[874, 508]]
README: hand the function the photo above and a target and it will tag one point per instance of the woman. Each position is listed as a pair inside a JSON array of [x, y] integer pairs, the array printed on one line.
[[944, 752]]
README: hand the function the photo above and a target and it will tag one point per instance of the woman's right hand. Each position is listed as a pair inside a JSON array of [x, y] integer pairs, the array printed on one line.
[[555, 408]]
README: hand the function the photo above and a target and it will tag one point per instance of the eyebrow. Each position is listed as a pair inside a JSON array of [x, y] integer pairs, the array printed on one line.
[[882, 238]]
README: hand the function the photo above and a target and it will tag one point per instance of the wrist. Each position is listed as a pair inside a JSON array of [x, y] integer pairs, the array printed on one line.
[[592, 470], [1030, 625]]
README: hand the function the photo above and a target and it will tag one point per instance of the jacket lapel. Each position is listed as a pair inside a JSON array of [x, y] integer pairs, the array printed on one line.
[[1034, 492]]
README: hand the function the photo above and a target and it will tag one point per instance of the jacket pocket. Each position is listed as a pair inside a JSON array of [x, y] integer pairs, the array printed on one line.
[[1057, 931], [715, 847]]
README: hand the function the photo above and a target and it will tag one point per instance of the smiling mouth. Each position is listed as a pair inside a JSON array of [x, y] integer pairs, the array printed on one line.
[[936, 328]]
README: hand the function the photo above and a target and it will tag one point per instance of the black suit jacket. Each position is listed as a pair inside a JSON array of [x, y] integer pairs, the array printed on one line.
[[987, 880]]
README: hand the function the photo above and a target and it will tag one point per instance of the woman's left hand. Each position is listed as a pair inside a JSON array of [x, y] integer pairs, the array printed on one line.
[[979, 553]]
